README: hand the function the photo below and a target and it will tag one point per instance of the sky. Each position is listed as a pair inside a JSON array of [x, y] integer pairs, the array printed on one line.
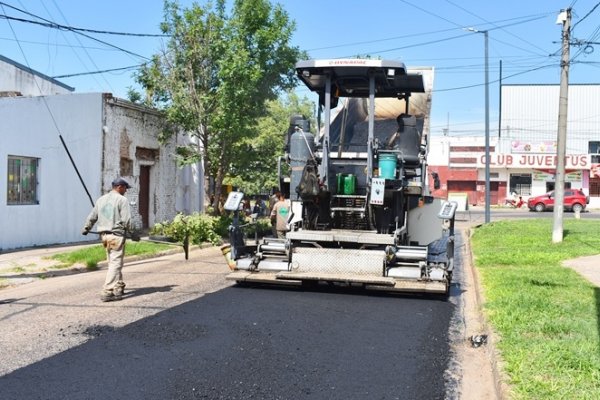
[[523, 44]]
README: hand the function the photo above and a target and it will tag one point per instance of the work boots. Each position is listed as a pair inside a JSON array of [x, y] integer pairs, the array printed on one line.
[[119, 289], [115, 294]]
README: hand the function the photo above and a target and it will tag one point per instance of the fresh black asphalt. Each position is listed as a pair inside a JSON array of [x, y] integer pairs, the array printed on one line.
[[257, 343]]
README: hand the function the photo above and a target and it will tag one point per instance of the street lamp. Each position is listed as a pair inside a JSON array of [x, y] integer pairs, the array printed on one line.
[[487, 125]]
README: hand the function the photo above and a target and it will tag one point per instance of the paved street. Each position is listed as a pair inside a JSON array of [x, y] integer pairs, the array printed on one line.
[[182, 332]]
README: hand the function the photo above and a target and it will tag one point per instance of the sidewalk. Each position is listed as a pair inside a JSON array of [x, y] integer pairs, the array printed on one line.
[[588, 267], [28, 265]]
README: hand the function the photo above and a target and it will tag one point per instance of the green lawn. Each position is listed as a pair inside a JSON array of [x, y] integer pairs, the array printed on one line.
[[90, 256], [547, 316]]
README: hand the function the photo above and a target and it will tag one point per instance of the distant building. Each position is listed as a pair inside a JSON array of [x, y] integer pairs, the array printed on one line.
[[523, 155], [19, 80]]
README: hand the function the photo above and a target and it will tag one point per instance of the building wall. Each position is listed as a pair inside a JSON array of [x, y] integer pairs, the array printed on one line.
[[131, 141], [530, 129], [526, 146], [530, 113], [29, 130], [106, 138], [15, 77]]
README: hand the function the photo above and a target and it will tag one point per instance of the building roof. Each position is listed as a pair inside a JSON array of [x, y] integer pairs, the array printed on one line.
[[34, 72]]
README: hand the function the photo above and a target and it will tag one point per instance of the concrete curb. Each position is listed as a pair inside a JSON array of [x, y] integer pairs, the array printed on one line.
[[501, 388]]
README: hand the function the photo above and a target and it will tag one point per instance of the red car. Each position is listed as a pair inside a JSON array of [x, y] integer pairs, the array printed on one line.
[[575, 200]]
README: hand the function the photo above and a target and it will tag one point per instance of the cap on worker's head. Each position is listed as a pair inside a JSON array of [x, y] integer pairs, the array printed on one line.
[[121, 182]]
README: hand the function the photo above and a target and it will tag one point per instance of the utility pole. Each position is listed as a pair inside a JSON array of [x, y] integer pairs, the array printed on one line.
[[564, 18], [487, 125], [487, 130]]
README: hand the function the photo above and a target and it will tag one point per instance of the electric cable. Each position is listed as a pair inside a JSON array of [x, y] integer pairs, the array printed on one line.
[[70, 29], [52, 117]]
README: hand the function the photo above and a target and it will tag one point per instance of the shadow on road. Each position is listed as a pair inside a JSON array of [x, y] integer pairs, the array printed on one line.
[[147, 290], [8, 301]]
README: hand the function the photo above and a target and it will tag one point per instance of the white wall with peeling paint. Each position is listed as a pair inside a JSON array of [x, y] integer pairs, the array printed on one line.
[[100, 132]]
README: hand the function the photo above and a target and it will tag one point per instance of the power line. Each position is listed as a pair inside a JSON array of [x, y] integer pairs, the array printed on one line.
[[432, 14], [585, 16], [445, 39], [81, 44], [79, 33], [494, 81], [493, 24], [96, 72], [45, 101], [71, 28], [419, 34], [103, 48], [55, 25]]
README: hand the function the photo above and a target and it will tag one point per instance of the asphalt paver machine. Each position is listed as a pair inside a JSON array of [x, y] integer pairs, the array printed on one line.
[[362, 213]]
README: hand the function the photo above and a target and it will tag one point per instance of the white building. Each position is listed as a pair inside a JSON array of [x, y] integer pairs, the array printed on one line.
[[527, 148], [59, 153], [19, 80], [523, 155]]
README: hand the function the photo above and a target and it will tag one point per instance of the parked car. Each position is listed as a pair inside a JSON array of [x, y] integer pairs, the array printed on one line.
[[575, 200]]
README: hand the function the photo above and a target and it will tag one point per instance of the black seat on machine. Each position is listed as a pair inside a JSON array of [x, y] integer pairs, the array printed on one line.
[[407, 139]]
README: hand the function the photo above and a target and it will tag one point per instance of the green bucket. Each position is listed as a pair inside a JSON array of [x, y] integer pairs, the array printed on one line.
[[349, 184]]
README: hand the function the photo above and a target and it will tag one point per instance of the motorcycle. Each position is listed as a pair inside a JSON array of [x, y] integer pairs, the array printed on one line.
[[514, 203]]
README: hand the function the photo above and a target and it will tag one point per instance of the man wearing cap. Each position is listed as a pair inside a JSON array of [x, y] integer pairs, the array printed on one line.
[[112, 213]]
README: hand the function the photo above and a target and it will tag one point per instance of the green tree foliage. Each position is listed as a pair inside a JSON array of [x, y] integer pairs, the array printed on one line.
[[254, 171], [216, 75]]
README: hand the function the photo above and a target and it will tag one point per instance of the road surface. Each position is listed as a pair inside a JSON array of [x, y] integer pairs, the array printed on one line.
[[183, 332]]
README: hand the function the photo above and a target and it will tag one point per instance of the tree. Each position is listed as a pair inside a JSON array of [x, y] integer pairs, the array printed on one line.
[[254, 170], [216, 75]]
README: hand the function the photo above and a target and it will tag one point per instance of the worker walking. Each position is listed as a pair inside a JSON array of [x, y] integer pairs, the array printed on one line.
[[113, 215], [280, 214]]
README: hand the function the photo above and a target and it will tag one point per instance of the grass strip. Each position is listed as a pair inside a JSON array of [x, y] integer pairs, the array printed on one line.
[[91, 256], [547, 316]]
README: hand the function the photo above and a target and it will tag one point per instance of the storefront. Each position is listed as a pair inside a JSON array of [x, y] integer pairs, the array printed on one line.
[[535, 173]]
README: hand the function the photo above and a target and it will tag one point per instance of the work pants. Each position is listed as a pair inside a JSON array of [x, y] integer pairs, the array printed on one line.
[[115, 251]]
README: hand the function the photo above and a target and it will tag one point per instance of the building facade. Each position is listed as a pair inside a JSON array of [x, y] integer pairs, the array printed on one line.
[[55, 165], [60, 152], [523, 153]]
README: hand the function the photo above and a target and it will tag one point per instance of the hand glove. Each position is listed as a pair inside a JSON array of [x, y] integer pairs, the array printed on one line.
[[85, 231]]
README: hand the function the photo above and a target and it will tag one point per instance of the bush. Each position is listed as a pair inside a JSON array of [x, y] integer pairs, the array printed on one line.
[[263, 226], [221, 225], [199, 228], [203, 228]]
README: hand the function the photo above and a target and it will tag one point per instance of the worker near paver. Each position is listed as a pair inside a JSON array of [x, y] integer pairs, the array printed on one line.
[[273, 199], [113, 216], [281, 212]]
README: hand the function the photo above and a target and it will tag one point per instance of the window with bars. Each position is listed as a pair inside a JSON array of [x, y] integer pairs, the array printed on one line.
[[22, 180]]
